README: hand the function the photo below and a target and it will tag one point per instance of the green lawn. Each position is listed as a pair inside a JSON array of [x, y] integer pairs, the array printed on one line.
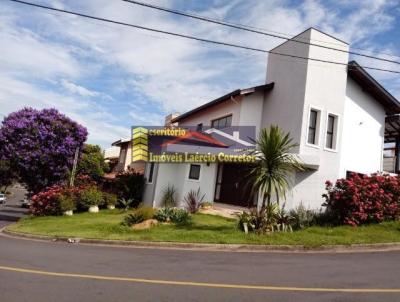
[[204, 229]]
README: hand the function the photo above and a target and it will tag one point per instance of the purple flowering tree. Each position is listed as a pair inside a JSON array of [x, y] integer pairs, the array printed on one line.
[[40, 145]]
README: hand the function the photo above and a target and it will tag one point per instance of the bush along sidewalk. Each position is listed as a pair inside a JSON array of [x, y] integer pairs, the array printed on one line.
[[363, 199]]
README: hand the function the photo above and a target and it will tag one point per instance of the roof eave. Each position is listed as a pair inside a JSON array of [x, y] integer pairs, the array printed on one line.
[[225, 97], [372, 86]]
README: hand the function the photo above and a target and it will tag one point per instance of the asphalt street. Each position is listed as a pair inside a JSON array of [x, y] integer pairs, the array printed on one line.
[[11, 211], [113, 264], [54, 271]]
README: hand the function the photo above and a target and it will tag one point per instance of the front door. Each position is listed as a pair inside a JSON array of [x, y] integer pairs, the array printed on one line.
[[232, 185]]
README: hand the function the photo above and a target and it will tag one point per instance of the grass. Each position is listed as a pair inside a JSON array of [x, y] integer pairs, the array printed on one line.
[[204, 229]]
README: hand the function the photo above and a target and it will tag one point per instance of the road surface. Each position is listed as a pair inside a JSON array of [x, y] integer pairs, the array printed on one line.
[[48, 271], [12, 211]]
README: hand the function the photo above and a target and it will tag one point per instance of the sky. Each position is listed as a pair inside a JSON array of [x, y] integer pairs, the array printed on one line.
[[109, 77]]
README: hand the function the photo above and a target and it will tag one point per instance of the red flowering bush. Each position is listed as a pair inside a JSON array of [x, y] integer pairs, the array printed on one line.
[[363, 199], [47, 202]]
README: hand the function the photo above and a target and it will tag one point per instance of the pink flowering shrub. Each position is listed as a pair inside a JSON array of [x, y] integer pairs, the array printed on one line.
[[363, 199], [47, 203]]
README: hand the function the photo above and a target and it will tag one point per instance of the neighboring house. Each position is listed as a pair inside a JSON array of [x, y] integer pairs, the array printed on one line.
[[125, 157], [111, 157], [335, 113]]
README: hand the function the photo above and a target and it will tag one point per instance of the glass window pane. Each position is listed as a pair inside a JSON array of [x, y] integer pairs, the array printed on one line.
[[229, 121], [222, 122], [331, 123], [311, 136], [313, 119], [329, 140], [194, 172]]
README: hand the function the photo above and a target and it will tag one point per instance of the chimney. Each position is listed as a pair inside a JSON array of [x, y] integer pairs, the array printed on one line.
[[169, 118]]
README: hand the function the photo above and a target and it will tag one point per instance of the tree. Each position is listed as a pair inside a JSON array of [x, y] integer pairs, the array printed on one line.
[[92, 162], [7, 176], [275, 164], [39, 146]]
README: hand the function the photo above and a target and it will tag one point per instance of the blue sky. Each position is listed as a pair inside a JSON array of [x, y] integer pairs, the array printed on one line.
[[109, 77]]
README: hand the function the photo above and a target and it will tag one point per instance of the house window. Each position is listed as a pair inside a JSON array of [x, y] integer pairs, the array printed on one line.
[[199, 127], [151, 172], [222, 122], [313, 127], [194, 172], [331, 127]]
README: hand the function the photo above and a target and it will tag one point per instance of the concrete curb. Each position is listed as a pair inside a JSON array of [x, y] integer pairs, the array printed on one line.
[[208, 247]]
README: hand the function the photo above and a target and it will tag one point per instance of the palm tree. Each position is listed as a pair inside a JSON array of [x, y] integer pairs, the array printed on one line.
[[274, 166]]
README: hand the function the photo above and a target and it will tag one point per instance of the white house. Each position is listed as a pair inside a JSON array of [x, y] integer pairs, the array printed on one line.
[[336, 114]]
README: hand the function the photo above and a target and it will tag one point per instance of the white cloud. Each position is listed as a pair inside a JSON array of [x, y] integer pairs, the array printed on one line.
[[26, 53], [146, 118], [76, 89]]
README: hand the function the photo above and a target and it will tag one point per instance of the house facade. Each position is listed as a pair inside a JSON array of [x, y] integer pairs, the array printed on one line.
[[336, 114]]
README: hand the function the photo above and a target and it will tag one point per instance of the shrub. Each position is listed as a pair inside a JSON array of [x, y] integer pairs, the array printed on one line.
[[139, 215], [66, 202], [125, 203], [109, 198], [245, 218], [129, 185], [363, 199], [270, 219], [46, 202], [303, 217], [180, 217], [169, 197], [163, 214], [193, 200], [284, 220], [90, 197], [174, 215]]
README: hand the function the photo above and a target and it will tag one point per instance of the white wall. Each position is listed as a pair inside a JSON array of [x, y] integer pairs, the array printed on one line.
[[177, 175], [300, 84], [363, 132], [325, 90], [149, 188], [283, 106], [251, 110]]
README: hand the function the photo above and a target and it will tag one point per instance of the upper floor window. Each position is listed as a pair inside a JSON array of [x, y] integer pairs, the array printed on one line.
[[313, 127], [222, 122], [331, 130]]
